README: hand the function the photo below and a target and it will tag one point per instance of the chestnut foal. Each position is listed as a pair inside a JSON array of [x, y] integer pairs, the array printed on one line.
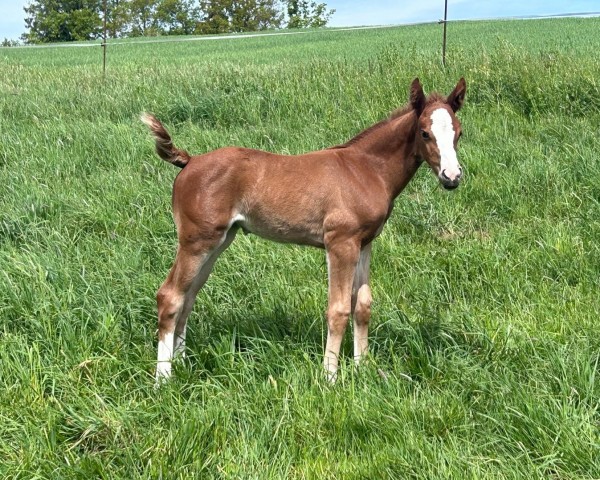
[[337, 199]]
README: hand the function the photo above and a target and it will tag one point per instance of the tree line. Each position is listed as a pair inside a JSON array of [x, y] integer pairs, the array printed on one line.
[[75, 20]]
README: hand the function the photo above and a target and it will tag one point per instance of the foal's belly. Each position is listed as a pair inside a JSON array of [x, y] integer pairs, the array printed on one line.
[[283, 230]]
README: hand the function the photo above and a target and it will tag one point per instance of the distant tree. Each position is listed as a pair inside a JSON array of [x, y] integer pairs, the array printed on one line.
[[62, 20], [117, 18], [177, 17], [220, 16], [142, 17], [253, 15], [68, 20], [307, 14], [7, 42], [215, 17]]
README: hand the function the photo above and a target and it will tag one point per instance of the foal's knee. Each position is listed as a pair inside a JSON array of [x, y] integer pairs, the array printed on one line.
[[362, 311], [169, 305], [337, 317]]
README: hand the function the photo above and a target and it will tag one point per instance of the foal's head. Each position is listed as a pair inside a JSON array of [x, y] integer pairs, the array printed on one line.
[[438, 131]]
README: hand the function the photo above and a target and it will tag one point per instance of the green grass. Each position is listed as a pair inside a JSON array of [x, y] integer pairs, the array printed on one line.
[[485, 321]]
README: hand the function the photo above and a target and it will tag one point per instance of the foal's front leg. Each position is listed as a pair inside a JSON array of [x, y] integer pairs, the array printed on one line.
[[361, 304], [342, 258]]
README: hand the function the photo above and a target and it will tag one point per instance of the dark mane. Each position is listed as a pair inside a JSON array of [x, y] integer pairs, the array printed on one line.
[[432, 98]]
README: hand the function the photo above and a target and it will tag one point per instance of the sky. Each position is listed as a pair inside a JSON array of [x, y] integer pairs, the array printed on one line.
[[378, 12]]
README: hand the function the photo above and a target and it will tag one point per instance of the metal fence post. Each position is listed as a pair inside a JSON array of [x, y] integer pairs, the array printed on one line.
[[104, 43], [444, 21]]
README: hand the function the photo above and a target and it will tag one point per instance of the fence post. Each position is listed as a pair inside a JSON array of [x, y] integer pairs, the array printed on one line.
[[444, 21], [104, 43]]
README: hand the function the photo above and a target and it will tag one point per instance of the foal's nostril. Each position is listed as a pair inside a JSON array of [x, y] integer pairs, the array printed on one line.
[[446, 178]]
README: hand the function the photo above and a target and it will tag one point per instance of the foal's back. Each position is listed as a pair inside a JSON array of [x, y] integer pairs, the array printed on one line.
[[286, 198]]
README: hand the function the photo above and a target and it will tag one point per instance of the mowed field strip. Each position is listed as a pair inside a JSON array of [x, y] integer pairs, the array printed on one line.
[[485, 340], [194, 38]]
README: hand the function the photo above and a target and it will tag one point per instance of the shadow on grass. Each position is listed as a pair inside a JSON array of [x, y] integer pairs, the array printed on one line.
[[271, 341], [253, 342], [425, 345]]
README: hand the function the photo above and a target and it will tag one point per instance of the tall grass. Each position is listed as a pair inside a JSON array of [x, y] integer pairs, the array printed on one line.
[[485, 333]]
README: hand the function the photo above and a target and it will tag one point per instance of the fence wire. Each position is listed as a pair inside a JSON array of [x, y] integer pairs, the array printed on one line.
[[110, 43]]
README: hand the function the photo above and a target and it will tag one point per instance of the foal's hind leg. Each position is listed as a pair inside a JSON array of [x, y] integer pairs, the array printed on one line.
[[175, 298], [361, 304], [190, 297]]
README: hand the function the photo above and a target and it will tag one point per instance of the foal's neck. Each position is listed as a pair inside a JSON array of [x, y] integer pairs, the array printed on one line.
[[390, 147]]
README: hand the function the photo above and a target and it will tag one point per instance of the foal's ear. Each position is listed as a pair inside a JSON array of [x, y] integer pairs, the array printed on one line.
[[457, 97], [417, 97]]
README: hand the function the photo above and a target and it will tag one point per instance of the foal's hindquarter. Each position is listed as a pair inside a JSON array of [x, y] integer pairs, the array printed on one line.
[[337, 199]]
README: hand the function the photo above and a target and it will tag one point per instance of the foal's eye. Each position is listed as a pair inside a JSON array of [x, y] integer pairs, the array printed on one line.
[[424, 134]]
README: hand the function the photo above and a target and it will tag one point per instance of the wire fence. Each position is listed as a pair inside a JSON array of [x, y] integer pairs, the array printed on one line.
[[166, 39], [104, 43]]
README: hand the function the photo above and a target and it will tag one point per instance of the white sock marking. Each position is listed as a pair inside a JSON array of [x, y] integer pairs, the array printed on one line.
[[165, 354]]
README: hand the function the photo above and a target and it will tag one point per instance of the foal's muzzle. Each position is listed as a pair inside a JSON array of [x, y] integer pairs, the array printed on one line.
[[448, 182]]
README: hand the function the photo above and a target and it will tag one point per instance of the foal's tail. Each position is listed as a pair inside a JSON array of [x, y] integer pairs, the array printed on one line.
[[164, 145]]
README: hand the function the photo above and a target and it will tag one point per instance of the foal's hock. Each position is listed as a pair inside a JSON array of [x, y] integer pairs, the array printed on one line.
[[337, 199]]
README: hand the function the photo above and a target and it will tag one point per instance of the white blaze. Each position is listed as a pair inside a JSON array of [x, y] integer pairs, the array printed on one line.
[[441, 126]]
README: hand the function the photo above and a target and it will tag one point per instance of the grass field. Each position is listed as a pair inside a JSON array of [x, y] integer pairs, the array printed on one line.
[[486, 309]]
